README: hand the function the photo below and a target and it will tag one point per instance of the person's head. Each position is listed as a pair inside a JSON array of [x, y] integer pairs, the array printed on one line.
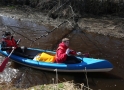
[[65, 41], [7, 34]]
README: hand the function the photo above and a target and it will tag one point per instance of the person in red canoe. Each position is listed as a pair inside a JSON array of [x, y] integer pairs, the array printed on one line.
[[66, 55]]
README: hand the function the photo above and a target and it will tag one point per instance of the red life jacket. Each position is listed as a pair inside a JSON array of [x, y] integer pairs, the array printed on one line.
[[10, 43], [60, 47], [61, 53]]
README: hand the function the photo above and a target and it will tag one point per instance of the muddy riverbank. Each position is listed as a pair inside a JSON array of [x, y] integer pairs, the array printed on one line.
[[108, 25]]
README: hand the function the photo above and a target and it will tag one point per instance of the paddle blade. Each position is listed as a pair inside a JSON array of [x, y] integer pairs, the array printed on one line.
[[3, 65]]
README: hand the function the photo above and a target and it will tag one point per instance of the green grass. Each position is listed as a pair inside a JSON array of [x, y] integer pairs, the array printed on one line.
[[59, 86]]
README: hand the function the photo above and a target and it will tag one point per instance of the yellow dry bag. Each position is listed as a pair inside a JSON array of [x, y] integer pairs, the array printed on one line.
[[44, 57]]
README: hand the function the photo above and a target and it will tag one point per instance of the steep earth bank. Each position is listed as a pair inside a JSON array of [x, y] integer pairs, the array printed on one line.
[[109, 26]]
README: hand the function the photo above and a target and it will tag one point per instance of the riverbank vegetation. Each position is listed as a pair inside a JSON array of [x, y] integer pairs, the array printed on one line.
[[62, 8], [60, 86]]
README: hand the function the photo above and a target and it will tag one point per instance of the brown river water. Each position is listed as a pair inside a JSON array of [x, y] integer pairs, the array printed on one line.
[[99, 46]]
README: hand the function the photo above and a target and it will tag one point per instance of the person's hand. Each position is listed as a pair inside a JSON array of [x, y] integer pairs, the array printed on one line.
[[79, 53], [67, 51], [87, 55], [13, 47]]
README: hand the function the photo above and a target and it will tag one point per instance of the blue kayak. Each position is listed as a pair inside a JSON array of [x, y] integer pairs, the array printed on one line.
[[87, 64]]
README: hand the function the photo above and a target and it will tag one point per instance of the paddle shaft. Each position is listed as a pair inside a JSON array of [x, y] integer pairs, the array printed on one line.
[[18, 41], [11, 52]]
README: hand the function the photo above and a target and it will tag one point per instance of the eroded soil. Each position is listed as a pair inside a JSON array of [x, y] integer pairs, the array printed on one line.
[[109, 25]]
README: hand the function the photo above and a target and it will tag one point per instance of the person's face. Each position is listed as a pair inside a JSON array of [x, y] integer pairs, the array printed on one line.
[[8, 36], [66, 43]]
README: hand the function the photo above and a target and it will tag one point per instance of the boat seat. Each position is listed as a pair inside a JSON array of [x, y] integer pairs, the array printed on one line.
[[30, 57], [31, 53]]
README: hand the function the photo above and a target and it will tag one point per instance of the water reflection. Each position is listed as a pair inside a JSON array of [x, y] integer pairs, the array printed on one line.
[[99, 46]]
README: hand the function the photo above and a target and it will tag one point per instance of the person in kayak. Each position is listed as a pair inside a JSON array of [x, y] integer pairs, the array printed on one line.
[[66, 55], [8, 43]]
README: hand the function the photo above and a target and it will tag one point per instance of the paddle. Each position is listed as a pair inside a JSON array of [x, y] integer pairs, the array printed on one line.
[[2, 66], [5, 61]]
